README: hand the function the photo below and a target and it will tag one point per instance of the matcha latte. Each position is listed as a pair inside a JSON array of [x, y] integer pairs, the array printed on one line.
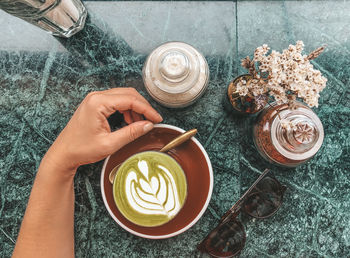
[[150, 188]]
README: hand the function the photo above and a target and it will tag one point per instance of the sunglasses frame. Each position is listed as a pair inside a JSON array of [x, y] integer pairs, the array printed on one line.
[[234, 211]]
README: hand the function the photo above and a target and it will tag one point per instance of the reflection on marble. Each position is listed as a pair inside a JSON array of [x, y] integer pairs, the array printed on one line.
[[141, 26], [43, 79]]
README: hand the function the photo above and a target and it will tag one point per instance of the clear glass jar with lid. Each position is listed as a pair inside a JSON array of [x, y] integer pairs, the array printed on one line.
[[288, 137], [175, 74]]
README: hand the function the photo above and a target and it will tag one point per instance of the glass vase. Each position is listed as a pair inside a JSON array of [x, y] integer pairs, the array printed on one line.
[[240, 105]]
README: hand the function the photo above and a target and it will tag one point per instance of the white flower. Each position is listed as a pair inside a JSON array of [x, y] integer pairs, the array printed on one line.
[[289, 71]]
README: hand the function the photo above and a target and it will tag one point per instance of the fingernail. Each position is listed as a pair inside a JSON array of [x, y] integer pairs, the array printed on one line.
[[147, 127], [160, 117]]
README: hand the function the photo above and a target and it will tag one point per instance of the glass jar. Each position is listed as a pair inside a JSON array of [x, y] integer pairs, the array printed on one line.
[[175, 74], [288, 137]]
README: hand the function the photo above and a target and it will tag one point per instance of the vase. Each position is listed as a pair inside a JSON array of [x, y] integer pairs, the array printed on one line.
[[240, 105], [288, 137]]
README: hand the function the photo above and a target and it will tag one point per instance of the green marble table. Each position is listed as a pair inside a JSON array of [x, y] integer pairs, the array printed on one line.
[[42, 80]]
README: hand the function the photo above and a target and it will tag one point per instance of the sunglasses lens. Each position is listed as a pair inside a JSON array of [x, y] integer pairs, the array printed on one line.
[[265, 198], [227, 240]]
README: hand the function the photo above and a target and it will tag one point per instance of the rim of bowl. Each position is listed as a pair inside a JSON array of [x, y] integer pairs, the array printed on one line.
[[194, 221]]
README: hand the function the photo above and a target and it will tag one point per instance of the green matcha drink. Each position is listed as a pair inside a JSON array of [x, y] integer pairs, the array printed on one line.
[[150, 188]]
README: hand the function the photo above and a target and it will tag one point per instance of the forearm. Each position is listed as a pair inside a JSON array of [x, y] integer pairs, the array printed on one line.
[[48, 225]]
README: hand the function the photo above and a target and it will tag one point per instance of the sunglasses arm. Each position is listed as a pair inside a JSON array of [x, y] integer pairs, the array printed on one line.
[[234, 210]]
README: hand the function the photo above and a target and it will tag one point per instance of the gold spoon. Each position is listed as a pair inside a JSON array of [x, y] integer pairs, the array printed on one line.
[[174, 143]]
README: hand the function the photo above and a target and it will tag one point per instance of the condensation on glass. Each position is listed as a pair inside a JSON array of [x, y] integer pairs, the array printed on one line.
[[62, 18], [175, 74], [289, 145]]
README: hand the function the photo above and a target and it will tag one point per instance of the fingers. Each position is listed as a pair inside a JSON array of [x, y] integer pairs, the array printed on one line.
[[107, 104], [123, 103], [127, 117], [136, 117], [124, 91], [128, 134], [124, 99], [131, 116]]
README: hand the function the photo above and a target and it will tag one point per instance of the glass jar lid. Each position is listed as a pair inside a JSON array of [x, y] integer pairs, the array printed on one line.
[[297, 134]]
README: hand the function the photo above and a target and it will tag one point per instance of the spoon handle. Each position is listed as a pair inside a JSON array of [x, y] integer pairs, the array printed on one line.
[[178, 140]]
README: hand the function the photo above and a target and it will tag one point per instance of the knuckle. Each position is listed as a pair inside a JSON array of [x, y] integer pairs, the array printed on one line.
[[133, 134], [133, 99], [90, 94], [132, 90], [93, 99], [105, 144]]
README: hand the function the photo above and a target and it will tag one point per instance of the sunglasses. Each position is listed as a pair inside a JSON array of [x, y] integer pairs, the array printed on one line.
[[261, 200]]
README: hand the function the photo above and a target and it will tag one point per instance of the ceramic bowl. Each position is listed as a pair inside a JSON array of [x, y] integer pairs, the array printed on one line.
[[198, 170]]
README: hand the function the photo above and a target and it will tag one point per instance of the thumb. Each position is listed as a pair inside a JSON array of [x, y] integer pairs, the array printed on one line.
[[129, 133]]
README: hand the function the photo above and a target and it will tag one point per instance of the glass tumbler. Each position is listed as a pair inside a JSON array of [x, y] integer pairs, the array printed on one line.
[[61, 18]]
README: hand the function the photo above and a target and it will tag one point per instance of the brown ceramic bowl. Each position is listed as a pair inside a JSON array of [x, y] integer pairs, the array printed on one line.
[[197, 167]]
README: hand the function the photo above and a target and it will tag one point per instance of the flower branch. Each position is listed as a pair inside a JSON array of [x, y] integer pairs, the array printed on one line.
[[284, 76]]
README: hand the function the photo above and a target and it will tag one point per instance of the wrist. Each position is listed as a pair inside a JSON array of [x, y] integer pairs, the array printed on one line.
[[56, 165], [58, 155]]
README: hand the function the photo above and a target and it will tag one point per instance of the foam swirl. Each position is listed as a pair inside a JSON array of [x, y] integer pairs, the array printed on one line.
[[157, 195]]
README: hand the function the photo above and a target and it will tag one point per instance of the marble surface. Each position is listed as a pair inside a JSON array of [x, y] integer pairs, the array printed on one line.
[[43, 79]]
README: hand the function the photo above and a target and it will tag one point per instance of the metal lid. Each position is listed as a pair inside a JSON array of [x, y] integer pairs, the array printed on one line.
[[303, 138], [175, 74]]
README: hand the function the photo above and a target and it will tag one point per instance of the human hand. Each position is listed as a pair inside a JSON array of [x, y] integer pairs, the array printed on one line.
[[87, 138]]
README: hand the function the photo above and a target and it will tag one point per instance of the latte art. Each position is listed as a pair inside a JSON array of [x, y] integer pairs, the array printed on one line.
[[156, 195], [150, 188]]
